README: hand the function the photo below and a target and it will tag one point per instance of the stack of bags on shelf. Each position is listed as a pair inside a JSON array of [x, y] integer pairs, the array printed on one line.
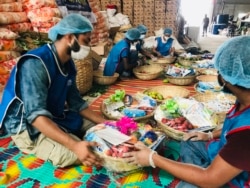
[[9, 54], [42, 14], [13, 17], [101, 27]]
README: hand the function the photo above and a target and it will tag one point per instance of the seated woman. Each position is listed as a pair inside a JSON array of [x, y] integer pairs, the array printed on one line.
[[164, 45]]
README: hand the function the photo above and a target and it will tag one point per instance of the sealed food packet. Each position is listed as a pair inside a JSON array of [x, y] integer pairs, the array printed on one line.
[[196, 113]]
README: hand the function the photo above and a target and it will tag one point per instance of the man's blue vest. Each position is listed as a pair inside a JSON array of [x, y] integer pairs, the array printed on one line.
[[57, 88], [164, 48]]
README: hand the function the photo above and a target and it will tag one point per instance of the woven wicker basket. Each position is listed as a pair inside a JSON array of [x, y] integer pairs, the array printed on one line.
[[169, 91], [84, 77], [205, 71], [107, 115], [211, 96], [171, 132], [104, 80], [181, 81], [148, 72], [116, 164], [185, 62], [163, 61], [197, 89], [207, 78]]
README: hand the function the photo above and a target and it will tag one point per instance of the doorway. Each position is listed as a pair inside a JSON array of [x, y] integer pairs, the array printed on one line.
[[194, 16]]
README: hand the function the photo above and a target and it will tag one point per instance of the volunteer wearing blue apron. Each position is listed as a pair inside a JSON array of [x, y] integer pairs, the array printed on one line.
[[164, 44], [139, 47], [119, 59], [41, 106], [219, 158]]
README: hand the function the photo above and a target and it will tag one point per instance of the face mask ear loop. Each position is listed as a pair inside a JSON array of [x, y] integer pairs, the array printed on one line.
[[222, 87]]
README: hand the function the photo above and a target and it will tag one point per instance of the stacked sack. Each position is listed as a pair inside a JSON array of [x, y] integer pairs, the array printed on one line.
[[13, 17], [8, 54], [42, 14], [101, 28]]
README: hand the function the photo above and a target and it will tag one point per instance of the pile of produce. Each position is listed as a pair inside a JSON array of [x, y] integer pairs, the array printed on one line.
[[154, 94], [184, 114]]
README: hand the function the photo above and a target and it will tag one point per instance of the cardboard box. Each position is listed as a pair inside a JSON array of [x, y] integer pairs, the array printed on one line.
[[99, 52]]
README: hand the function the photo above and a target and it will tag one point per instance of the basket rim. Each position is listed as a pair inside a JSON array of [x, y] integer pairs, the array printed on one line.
[[210, 96], [190, 76], [97, 72], [202, 71], [214, 94], [168, 87], [126, 166], [206, 92], [148, 76], [203, 77], [167, 60], [103, 106], [171, 132], [148, 66]]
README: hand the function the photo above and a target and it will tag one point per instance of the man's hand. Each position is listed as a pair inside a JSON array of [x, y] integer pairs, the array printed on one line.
[[197, 136], [85, 154]]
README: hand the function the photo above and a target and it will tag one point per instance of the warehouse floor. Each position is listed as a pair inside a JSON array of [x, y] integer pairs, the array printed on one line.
[[211, 42]]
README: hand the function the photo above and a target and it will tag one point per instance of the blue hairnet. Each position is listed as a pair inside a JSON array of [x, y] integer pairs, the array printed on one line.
[[133, 34], [142, 28], [232, 60], [167, 31], [70, 24]]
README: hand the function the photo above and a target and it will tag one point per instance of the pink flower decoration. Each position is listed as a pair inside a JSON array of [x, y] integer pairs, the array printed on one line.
[[126, 125]]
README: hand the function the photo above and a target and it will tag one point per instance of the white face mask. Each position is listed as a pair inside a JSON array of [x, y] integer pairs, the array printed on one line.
[[142, 36], [133, 46], [82, 53]]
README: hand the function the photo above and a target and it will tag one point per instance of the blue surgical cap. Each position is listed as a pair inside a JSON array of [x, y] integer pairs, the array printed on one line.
[[70, 24], [133, 34], [232, 60], [142, 28], [168, 31]]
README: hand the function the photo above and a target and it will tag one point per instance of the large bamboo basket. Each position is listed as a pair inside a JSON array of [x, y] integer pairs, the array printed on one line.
[[181, 81], [104, 80], [185, 62], [163, 61], [212, 96], [171, 132], [169, 91], [207, 78], [84, 77], [148, 72], [116, 164], [107, 115], [207, 71]]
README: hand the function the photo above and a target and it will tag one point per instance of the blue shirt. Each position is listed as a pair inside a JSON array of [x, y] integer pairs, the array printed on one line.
[[114, 61], [32, 91]]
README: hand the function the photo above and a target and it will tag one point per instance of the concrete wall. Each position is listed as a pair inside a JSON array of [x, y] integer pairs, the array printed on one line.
[[231, 9]]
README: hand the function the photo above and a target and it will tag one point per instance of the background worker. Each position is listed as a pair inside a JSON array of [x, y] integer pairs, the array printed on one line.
[[205, 23], [118, 59], [164, 45]]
